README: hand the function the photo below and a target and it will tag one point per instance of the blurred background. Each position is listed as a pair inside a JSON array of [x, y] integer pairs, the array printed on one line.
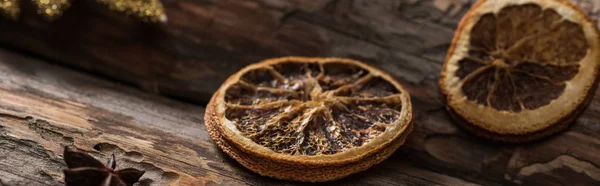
[[203, 42]]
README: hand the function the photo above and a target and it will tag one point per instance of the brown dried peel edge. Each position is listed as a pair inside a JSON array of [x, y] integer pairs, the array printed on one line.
[[295, 171]]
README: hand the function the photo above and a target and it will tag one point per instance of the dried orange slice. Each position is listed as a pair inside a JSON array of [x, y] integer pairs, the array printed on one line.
[[309, 119], [520, 70]]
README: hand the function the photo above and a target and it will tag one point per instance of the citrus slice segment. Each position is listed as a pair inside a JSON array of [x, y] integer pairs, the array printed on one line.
[[309, 113], [520, 70]]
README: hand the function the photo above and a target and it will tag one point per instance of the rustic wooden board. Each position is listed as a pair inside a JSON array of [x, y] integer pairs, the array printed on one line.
[[205, 41], [43, 107]]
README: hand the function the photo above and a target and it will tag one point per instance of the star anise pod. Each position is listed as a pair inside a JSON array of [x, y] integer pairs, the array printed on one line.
[[85, 170]]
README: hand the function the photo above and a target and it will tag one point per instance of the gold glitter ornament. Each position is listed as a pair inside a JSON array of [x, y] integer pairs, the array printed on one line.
[[51, 9], [145, 10], [10, 8]]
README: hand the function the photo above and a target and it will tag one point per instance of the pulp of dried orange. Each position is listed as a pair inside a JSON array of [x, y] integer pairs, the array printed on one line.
[[314, 112], [519, 70]]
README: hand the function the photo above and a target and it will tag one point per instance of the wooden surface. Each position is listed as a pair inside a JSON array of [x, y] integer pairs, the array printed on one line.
[[44, 107], [205, 41]]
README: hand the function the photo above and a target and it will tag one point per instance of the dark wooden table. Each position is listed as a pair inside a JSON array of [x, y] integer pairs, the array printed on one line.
[[105, 83]]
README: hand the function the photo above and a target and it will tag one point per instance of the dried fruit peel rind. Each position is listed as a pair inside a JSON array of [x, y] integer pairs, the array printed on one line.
[[500, 124], [304, 167]]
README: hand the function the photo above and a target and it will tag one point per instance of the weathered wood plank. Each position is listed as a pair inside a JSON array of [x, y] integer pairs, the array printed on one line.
[[207, 40], [44, 107]]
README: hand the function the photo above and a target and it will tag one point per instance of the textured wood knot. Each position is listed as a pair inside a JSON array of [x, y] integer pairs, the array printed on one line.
[[49, 132]]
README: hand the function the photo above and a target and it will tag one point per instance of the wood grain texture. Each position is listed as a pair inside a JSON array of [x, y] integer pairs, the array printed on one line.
[[205, 41], [43, 107]]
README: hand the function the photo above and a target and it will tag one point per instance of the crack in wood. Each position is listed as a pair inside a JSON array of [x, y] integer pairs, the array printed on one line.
[[48, 132], [33, 159], [55, 135], [562, 161]]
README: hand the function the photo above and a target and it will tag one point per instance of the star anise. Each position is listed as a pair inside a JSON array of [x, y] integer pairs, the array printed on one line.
[[85, 170]]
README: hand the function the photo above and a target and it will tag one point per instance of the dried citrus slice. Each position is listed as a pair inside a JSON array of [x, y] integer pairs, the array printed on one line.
[[309, 119], [520, 70]]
